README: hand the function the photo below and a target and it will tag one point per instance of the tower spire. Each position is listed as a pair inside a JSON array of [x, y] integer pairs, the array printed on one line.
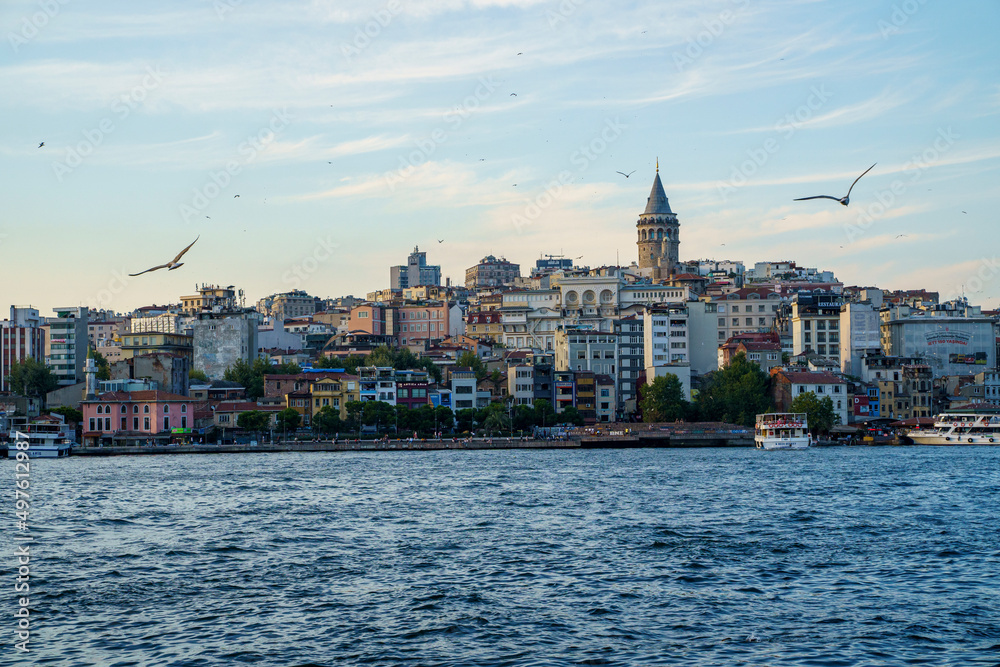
[[657, 165]]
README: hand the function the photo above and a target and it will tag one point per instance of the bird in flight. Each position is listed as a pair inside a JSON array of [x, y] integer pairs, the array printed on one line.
[[624, 174], [519, 53], [513, 94], [440, 240], [41, 144], [172, 264], [235, 196], [846, 199], [899, 236]]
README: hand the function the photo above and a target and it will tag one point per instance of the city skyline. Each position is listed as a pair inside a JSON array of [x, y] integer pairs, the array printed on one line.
[[352, 132]]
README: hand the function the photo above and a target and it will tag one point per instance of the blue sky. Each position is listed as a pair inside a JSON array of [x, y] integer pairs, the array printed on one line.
[[353, 131]]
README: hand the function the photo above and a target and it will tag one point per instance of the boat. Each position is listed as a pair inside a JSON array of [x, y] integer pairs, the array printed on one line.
[[782, 430], [48, 437], [959, 429]]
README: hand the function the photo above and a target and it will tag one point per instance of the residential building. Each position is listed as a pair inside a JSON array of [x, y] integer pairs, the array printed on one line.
[[666, 344], [747, 310], [412, 388], [491, 272], [605, 400], [66, 343], [210, 298], [160, 323], [631, 362], [420, 323], [814, 322], [580, 349], [586, 395], [530, 318], [221, 339], [377, 383], [155, 342], [952, 338], [463, 388], [369, 318], [859, 335], [287, 305], [786, 385], [485, 325], [135, 417], [169, 372], [415, 272], [21, 338], [334, 391]]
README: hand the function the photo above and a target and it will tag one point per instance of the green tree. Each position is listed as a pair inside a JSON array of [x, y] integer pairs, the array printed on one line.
[[570, 415], [31, 378], [736, 393], [198, 376], [466, 420], [354, 410], [70, 414], [250, 375], [327, 421], [286, 368], [444, 418], [544, 414], [255, 421], [349, 363], [819, 413], [402, 360], [103, 367], [663, 401], [470, 360], [288, 420], [377, 413]]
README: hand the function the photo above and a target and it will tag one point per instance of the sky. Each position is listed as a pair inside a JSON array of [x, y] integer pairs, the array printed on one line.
[[313, 144]]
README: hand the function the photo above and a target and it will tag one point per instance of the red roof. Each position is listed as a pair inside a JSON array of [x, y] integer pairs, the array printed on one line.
[[810, 377], [145, 396]]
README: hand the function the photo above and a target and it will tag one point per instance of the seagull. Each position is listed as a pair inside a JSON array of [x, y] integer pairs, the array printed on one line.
[[624, 174], [172, 264], [208, 217], [41, 144], [964, 212], [235, 196], [900, 235], [440, 240], [513, 94], [846, 199], [520, 53]]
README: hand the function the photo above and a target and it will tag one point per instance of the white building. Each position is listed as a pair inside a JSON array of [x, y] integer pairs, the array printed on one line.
[[666, 344]]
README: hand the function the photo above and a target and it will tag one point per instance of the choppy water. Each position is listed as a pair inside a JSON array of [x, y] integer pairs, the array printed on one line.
[[841, 556]]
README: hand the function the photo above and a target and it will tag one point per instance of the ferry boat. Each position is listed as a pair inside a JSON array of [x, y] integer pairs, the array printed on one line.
[[48, 438], [782, 430], [959, 429]]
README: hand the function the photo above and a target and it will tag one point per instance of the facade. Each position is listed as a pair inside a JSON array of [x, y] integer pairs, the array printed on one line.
[[580, 349], [377, 383], [21, 337], [605, 399], [162, 323], [134, 417], [101, 332], [530, 319], [814, 322], [747, 310], [658, 233], [951, 344], [155, 342], [334, 391], [168, 371], [463, 388], [786, 385], [491, 272], [287, 305], [66, 344], [412, 389], [859, 335], [222, 339], [415, 272], [419, 323], [485, 325], [631, 362], [209, 298], [368, 318], [586, 395]]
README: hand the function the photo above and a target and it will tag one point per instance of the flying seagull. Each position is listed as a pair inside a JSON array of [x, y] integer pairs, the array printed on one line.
[[41, 144], [235, 196], [846, 199], [624, 174], [172, 264], [513, 94], [440, 240]]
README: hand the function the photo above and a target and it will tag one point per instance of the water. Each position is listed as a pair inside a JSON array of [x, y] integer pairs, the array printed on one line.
[[839, 556]]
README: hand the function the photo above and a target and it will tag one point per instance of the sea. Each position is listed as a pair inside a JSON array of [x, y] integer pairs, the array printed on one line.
[[727, 556]]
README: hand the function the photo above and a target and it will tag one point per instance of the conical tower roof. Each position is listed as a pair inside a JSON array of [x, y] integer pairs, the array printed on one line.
[[657, 203]]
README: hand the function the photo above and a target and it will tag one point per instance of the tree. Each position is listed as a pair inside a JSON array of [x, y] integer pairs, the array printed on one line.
[[31, 378], [444, 418], [470, 360], [819, 413], [327, 421], [544, 414], [250, 375], [288, 420], [255, 421], [570, 415], [285, 368], [349, 363], [663, 401], [70, 414], [198, 376], [402, 360], [736, 393], [103, 367], [466, 420], [377, 414]]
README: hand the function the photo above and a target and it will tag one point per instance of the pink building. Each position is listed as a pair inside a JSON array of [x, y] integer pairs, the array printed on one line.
[[136, 417], [367, 318], [417, 324]]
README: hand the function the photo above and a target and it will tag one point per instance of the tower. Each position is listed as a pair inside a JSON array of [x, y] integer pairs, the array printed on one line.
[[658, 234]]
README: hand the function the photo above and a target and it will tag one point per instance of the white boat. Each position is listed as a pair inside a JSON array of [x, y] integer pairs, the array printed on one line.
[[959, 429], [48, 438], [782, 430]]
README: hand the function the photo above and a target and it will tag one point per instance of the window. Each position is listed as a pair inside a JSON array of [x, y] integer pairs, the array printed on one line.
[[92, 426], [749, 321], [100, 409], [145, 409], [736, 321], [166, 408], [124, 423], [145, 423], [124, 410], [135, 409], [736, 308], [166, 423], [184, 422], [184, 408], [135, 423]]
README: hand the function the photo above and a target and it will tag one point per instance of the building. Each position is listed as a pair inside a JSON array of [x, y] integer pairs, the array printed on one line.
[[161, 323], [221, 339], [814, 322], [586, 395], [21, 338], [135, 417], [631, 362], [334, 391], [530, 318], [658, 234], [415, 272], [417, 324], [463, 388], [786, 385], [369, 318], [491, 272], [666, 347], [377, 383], [751, 309], [67, 343], [606, 402], [412, 388], [485, 325], [170, 372], [859, 335], [580, 349], [286, 305], [952, 338], [763, 349], [155, 342], [210, 298]]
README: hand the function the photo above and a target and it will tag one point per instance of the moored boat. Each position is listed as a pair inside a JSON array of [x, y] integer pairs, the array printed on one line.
[[48, 437], [782, 430], [959, 429]]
